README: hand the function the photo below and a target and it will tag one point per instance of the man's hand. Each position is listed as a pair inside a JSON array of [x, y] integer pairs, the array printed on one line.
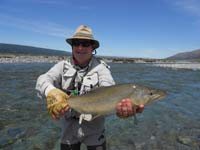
[[125, 108], [56, 103]]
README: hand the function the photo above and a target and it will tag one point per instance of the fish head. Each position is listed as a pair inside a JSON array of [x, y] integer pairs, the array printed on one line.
[[145, 95]]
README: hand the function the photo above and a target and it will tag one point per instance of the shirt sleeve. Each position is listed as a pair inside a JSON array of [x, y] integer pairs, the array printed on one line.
[[105, 77], [49, 80]]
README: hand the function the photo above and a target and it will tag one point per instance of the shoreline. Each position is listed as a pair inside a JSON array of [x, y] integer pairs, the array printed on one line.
[[31, 59], [189, 66], [180, 64]]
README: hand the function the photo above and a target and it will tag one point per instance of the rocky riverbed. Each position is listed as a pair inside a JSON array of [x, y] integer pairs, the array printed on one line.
[[170, 124], [184, 65], [31, 59], [55, 59]]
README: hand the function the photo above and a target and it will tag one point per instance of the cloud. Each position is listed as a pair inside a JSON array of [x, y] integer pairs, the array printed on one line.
[[48, 28], [189, 6], [48, 2]]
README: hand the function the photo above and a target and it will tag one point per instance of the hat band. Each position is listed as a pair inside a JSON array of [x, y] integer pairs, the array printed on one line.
[[83, 35]]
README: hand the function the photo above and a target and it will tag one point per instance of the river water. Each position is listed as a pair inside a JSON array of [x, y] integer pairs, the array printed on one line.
[[170, 124]]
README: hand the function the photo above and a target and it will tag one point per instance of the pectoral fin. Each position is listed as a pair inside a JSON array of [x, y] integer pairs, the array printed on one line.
[[135, 118]]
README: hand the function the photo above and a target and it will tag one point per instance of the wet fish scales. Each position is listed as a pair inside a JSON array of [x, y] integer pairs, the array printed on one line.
[[103, 100]]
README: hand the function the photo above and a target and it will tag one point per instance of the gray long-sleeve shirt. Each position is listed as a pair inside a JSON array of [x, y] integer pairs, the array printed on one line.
[[65, 76]]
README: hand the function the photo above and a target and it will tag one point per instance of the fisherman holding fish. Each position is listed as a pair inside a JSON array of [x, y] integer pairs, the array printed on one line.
[[78, 75]]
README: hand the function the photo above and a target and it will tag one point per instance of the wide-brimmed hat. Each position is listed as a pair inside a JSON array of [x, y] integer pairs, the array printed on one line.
[[83, 32]]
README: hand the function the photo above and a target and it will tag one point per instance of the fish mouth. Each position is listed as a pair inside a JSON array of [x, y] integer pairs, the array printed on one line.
[[160, 95]]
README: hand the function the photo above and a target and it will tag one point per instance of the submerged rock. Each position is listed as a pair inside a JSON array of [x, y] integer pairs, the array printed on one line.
[[15, 132], [184, 140], [6, 141]]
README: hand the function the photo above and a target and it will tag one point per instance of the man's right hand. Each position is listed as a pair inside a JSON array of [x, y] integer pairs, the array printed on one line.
[[56, 103]]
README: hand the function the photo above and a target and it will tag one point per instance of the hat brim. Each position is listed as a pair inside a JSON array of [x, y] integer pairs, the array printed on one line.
[[96, 43]]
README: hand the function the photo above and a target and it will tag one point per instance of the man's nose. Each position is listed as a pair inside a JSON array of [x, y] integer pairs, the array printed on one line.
[[80, 46]]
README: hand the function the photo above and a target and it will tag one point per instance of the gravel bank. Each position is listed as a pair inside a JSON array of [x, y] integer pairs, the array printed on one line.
[[31, 59], [193, 66], [55, 59]]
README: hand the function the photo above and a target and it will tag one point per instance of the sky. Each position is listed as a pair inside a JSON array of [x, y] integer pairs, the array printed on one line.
[[126, 28]]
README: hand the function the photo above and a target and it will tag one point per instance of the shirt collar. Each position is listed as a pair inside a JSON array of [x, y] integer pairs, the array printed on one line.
[[74, 62]]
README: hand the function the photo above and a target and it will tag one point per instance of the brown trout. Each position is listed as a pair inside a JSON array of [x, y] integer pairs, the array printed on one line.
[[103, 100]]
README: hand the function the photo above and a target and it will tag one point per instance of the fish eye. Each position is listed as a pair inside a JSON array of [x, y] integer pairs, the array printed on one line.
[[151, 93]]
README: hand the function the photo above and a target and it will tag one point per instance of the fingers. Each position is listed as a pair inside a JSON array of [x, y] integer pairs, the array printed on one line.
[[122, 111], [54, 117], [66, 108], [56, 103], [125, 108], [60, 113], [129, 106], [140, 109]]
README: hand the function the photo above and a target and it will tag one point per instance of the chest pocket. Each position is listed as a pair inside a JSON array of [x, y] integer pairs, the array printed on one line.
[[90, 82], [68, 76]]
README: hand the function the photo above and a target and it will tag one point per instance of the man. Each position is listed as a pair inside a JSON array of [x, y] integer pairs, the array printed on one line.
[[78, 75]]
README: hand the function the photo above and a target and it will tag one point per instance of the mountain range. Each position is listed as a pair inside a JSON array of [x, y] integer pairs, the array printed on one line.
[[195, 54], [30, 50]]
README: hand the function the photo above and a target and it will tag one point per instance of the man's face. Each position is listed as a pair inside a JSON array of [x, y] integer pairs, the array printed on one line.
[[82, 50]]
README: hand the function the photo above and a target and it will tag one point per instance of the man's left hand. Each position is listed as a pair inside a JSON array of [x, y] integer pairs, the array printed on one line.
[[125, 108]]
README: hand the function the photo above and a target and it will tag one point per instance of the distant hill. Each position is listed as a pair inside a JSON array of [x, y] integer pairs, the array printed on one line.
[[30, 50], [187, 55]]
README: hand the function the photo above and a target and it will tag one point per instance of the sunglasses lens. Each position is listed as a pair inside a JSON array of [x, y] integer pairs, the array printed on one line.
[[84, 44]]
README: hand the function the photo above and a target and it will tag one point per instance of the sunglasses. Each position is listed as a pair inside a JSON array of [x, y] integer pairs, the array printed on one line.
[[83, 43]]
